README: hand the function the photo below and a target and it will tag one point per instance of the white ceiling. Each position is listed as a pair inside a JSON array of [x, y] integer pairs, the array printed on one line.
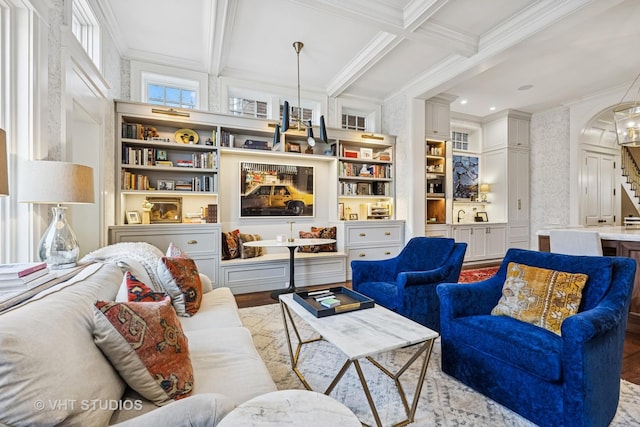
[[478, 50]]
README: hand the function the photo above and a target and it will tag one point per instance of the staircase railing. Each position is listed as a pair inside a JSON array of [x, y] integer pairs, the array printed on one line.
[[630, 170]]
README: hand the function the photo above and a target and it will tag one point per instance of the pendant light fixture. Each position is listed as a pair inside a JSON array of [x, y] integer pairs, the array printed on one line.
[[626, 116], [298, 118]]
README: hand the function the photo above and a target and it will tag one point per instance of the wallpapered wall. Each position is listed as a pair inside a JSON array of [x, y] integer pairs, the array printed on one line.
[[550, 179]]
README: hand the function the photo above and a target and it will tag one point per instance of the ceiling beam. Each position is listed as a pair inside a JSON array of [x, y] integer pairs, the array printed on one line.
[[222, 20]]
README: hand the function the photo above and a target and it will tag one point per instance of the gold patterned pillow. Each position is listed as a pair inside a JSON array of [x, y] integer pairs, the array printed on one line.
[[540, 296]]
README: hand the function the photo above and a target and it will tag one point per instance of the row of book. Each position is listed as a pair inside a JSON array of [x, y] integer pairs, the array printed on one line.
[[24, 276], [365, 188], [133, 181], [139, 131], [373, 171], [152, 157]]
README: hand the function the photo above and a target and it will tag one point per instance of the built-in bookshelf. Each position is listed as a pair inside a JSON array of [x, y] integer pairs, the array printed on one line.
[[435, 181], [365, 177]]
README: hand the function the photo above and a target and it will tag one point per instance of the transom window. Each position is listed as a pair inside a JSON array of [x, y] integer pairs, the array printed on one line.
[[247, 107], [460, 140], [171, 96], [307, 114], [354, 122]]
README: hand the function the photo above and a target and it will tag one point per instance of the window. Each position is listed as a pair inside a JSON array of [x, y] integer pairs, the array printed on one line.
[[85, 28], [460, 141], [354, 122], [247, 107], [307, 114], [170, 86], [171, 96]]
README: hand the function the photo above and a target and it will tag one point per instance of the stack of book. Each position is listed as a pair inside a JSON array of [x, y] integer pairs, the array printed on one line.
[[24, 276]]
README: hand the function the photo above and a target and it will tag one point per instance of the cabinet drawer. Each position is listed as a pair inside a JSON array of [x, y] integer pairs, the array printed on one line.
[[191, 243], [374, 235], [370, 254]]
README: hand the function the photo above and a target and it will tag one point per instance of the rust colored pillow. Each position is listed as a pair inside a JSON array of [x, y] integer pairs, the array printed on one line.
[[139, 292], [230, 244], [181, 280], [309, 248], [326, 233], [146, 345]]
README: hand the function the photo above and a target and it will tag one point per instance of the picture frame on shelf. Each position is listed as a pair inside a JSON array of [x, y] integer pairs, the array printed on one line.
[[294, 147], [133, 217], [366, 153], [162, 155], [166, 185], [165, 210], [353, 217], [481, 217]]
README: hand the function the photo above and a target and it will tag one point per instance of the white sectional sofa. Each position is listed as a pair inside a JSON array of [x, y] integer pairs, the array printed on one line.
[[52, 372]]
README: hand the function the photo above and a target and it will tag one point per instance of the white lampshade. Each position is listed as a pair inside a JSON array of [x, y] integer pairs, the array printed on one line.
[[4, 167], [49, 182]]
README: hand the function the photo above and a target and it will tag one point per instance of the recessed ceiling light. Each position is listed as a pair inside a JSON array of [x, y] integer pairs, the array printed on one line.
[[464, 101], [492, 108], [525, 87]]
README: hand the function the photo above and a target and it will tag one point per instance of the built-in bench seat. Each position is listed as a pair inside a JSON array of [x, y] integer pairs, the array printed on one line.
[[271, 271]]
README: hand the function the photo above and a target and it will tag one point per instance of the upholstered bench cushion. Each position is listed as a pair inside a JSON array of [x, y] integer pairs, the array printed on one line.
[[519, 344]]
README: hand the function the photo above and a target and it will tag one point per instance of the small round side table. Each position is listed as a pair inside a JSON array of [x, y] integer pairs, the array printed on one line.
[[296, 408]]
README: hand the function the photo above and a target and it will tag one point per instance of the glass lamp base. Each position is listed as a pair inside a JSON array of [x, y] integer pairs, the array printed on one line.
[[59, 246]]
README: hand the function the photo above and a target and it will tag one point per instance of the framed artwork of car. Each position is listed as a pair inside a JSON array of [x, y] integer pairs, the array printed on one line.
[[276, 190]]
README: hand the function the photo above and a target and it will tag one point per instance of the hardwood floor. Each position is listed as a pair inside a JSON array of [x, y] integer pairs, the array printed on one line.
[[630, 360]]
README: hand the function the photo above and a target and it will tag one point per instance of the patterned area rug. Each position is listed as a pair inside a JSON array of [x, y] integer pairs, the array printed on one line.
[[477, 274], [443, 401]]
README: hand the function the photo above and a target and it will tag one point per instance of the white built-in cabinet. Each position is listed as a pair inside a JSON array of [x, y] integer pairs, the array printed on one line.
[[438, 117], [505, 165], [599, 183], [484, 241]]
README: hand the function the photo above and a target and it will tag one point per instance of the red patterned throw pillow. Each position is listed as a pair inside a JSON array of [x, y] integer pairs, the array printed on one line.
[[309, 248], [146, 345], [326, 233], [181, 280], [139, 292]]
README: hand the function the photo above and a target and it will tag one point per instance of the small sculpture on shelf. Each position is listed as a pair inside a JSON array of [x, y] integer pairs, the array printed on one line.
[[146, 211]]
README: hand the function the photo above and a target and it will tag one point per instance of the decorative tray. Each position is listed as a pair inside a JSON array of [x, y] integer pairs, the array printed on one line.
[[349, 301]]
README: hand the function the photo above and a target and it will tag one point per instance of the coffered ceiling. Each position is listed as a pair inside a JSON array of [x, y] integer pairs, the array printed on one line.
[[479, 50]]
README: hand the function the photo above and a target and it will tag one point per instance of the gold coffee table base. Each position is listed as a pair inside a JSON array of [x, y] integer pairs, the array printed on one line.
[[424, 350]]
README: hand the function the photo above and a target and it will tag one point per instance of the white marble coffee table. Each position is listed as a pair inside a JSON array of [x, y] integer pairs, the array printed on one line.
[[296, 408], [362, 334]]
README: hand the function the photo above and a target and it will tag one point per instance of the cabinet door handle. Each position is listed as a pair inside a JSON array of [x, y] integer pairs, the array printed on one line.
[[192, 242], [363, 234], [488, 231], [387, 253], [361, 255], [471, 231], [519, 204], [387, 233]]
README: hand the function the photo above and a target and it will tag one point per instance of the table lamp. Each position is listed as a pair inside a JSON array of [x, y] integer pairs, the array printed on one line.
[[51, 182], [484, 189], [4, 167]]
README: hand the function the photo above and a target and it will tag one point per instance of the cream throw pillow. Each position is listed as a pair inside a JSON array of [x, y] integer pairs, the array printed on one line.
[[540, 296]]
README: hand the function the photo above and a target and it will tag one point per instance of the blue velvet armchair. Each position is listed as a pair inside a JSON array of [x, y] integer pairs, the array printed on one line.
[[407, 283], [572, 379]]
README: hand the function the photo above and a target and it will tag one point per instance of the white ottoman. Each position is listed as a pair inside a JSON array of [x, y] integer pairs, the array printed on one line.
[[300, 408]]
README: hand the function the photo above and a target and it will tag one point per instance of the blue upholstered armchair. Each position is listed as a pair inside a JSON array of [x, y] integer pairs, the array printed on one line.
[[572, 379], [407, 283]]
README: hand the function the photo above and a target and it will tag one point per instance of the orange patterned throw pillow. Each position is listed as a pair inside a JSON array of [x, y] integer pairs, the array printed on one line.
[[181, 280], [139, 292], [309, 248], [540, 296], [326, 233], [146, 345]]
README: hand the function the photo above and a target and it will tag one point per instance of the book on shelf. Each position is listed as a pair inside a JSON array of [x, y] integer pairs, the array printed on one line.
[[14, 271], [42, 276]]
